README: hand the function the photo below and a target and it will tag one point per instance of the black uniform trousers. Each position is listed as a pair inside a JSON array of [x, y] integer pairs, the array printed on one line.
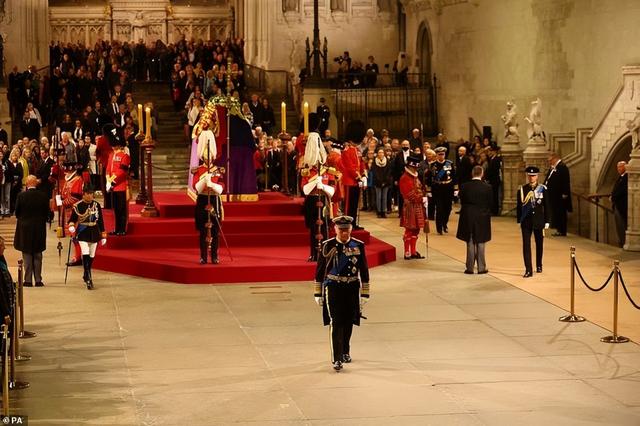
[[495, 202], [343, 304], [353, 198], [526, 247], [215, 236], [119, 201], [443, 201]]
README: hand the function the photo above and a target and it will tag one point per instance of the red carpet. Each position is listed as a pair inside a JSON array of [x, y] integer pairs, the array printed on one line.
[[267, 239]]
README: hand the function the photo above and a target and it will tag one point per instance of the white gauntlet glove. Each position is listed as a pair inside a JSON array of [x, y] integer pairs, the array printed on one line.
[[363, 301], [319, 301], [103, 241], [546, 226], [72, 229], [425, 201]]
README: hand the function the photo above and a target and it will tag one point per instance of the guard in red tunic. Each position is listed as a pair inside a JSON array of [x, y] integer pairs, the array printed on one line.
[[413, 211], [209, 212], [318, 191], [334, 161], [103, 151], [70, 195], [117, 172], [351, 169]]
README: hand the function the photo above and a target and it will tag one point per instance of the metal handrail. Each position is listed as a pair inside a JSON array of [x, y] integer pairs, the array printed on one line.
[[383, 79], [261, 83], [473, 126], [594, 200]]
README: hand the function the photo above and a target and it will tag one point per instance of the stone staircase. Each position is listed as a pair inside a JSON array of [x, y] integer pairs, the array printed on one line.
[[171, 155]]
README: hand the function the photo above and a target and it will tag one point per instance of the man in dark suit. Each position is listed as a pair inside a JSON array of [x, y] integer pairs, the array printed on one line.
[[30, 127], [619, 201], [464, 165], [558, 183], [399, 161], [324, 113], [32, 211], [475, 219], [494, 178], [532, 213]]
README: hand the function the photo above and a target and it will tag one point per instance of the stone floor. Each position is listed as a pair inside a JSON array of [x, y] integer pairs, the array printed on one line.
[[439, 347]]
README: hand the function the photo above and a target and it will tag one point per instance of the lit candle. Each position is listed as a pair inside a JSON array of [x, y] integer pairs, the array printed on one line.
[[306, 118], [140, 118], [148, 110], [283, 113]]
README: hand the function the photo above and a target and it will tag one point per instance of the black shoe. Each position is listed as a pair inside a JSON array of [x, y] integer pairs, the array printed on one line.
[[486, 271], [527, 274], [439, 232], [39, 284], [27, 284], [346, 358], [337, 365], [559, 234], [417, 255], [383, 215], [215, 261], [113, 233], [89, 285], [76, 263], [539, 269], [408, 257], [446, 230], [466, 271], [121, 234], [203, 261]]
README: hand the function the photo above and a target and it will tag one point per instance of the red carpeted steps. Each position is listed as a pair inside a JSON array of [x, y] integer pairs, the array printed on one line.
[[267, 239]]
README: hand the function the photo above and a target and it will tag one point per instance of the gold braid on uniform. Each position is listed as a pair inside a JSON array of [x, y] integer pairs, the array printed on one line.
[[91, 209], [329, 255]]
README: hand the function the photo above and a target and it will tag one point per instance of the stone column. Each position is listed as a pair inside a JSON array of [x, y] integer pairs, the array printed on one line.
[[26, 25], [536, 154], [632, 240], [513, 172]]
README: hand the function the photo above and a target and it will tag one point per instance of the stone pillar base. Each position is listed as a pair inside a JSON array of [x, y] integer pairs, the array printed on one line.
[[513, 169], [537, 154]]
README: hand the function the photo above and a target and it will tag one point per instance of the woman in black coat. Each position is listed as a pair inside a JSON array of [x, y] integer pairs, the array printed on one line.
[[14, 177], [267, 117], [382, 180]]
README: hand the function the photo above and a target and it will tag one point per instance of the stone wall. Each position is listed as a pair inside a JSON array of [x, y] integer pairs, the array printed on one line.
[[275, 39], [567, 52], [25, 32]]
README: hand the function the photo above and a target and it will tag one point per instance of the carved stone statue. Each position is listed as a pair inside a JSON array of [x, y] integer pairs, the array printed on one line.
[[535, 132], [139, 27], [290, 5], [634, 129], [338, 5], [510, 122]]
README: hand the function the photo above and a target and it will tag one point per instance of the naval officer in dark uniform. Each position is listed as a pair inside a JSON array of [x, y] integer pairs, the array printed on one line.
[[533, 217], [342, 287], [442, 180]]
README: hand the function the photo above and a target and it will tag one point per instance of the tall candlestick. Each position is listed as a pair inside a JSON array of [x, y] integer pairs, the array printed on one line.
[[139, 118], [306, 118], [148, 110], [283, 113]]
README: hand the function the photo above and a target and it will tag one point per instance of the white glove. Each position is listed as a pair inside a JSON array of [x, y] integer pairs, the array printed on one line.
[[320, 185], [546, 226], [58, 200], [319, 301], [72, 229], [429, 194], [363, 301], [103, 241], [455, 193], [425, 201], [108, 186]]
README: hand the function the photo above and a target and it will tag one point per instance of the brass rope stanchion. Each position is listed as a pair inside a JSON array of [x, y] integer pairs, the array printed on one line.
[[5, 370], [15, 341], [572, 317], [614, 338], [23, 334]]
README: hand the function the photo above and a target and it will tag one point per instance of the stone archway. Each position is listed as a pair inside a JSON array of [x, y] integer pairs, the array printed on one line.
[[424, 50], [608, 174]]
